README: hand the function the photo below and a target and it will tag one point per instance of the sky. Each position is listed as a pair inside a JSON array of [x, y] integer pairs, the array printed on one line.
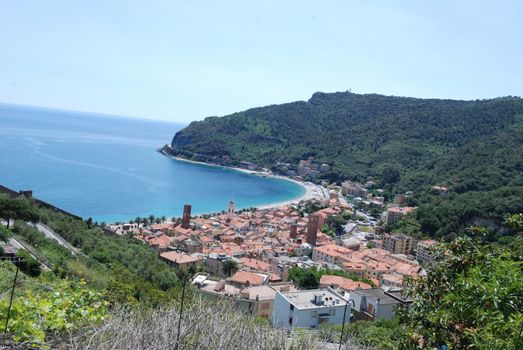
[[185, 60]]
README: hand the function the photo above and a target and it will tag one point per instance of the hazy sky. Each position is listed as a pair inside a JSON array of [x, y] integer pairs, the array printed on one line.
[[185, 60]]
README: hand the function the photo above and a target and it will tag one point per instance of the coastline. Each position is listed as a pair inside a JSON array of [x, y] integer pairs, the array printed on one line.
[[311, 191]]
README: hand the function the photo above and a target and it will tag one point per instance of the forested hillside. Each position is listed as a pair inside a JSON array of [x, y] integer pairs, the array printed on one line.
[[467, 144], [407, 144]]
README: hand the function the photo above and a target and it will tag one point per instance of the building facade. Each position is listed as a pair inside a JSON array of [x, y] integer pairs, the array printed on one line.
[[312, 229], [309, 309], [399, 244], [424, 253]]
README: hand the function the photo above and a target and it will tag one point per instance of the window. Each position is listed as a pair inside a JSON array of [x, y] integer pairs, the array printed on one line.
[[314, 314], [332, 312]]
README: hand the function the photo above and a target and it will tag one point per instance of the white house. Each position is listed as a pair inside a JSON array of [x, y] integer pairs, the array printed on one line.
[[374, 304], [309, 308]]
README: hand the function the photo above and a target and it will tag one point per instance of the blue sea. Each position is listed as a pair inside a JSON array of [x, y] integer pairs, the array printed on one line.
[[107, 167]]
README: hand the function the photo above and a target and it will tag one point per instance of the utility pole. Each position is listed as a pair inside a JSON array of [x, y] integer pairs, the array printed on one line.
[[11, 298], [343, 323], [181, 313]]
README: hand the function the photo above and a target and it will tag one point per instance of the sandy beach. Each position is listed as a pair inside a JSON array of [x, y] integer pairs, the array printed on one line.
[[312, 191]]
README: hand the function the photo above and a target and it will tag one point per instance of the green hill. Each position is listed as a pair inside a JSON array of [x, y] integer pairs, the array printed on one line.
[[405, 143], [466, 144]]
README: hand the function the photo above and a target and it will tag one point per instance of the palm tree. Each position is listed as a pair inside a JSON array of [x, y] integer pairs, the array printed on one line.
[[230, 266], [157, 220], [138, 220], [163, 218], [151, 218]]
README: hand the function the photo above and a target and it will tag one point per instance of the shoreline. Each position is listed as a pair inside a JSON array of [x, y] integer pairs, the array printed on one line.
[[311, 191]]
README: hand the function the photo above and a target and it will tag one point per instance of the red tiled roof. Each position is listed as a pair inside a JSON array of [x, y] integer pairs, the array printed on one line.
[[178, 258], [244, 277], [343, 283]]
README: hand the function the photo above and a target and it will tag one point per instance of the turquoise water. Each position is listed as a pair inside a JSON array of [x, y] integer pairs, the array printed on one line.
[[106, 167]]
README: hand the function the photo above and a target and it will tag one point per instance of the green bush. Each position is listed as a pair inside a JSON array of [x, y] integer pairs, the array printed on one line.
[[65, 306], [28, 264], [4, 233]]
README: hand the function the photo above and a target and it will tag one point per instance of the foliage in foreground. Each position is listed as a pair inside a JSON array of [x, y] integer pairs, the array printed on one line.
[[48, 307], [379, 335], [472, 299]]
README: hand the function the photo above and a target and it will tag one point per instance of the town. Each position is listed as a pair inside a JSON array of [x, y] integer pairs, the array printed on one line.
[[298, 265]]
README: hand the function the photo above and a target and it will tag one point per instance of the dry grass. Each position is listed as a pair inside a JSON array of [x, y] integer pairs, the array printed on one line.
[[215, 326]]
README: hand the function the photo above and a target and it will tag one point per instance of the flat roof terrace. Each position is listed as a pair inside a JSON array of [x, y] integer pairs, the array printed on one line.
[[314, 298]]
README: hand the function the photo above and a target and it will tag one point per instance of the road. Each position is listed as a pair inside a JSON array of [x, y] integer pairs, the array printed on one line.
[[49, 233], [17, 244]]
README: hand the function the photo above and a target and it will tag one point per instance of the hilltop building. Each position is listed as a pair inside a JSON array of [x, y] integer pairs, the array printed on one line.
[[394, 214], [399, 244], [424, 252]]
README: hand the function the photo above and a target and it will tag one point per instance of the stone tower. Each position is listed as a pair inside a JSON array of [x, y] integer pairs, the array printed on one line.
[[186, 219], [230, 211], [312, 229], [294, 230]]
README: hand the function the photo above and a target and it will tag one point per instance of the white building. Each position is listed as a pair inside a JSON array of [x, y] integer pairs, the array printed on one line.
[[375, 304], [309, 308], [424, 252]]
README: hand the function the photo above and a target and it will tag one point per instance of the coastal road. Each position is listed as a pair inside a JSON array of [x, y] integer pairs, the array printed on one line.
[[49, 233], [18, 244]]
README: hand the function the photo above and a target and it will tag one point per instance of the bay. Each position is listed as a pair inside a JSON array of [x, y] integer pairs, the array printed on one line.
[[107, 167]]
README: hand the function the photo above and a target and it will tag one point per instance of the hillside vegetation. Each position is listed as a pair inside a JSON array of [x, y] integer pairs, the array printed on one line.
[[470, 145], [407, 144]]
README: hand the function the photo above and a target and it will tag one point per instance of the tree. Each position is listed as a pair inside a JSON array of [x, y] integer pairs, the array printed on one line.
[[470, 299], [17, 208], [309, 281], [4, 234], [229, 267], [28, 264], [337, 223], [390, 175], [151, 219]]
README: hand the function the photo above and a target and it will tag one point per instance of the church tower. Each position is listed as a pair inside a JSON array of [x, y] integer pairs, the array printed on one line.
[[230, 211]]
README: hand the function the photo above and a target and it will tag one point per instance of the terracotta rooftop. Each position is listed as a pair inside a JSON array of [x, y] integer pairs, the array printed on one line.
[[244, 277], [178, 257], [255, 264], [343, 283]]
